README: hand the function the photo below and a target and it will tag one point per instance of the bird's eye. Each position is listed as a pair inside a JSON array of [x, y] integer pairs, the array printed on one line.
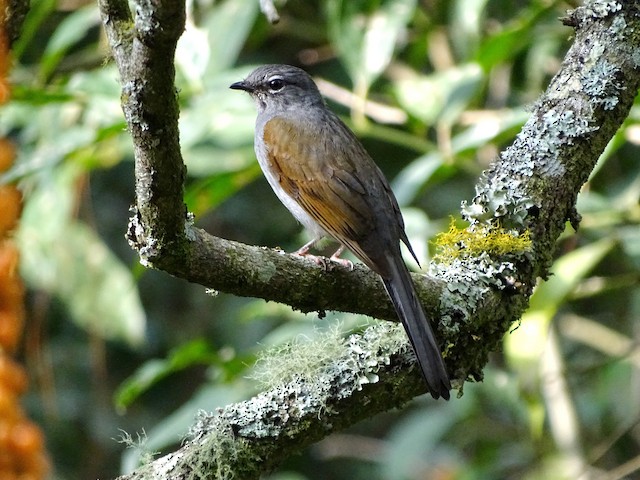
[[276, 84]]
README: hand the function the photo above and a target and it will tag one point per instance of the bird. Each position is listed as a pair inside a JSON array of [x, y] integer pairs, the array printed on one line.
[[323, 175]]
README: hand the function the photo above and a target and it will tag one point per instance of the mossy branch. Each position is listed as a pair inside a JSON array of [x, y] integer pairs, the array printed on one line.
[[474, 299], [248, 438]]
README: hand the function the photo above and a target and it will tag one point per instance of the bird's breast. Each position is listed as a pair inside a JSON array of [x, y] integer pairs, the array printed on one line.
[[280, 157]]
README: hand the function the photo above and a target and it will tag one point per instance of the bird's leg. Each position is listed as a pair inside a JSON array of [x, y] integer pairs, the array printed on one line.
[[303, 251], [341, 261]]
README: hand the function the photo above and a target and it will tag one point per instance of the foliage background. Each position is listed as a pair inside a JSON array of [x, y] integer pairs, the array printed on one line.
[[114, 348]]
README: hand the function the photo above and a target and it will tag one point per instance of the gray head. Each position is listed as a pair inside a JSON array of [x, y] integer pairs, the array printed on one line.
[[279, 87]]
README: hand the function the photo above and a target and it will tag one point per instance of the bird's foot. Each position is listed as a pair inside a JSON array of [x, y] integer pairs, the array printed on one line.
[[324, 262], [303, 251], [341, 261]]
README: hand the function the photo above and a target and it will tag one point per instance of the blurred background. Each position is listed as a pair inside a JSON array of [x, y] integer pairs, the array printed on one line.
[[118, 354]]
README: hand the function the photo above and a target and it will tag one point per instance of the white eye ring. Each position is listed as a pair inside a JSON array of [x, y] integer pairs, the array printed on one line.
[[276, 83]]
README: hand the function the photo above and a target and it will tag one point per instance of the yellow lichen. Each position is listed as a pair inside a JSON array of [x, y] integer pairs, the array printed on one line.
[[472, 241]]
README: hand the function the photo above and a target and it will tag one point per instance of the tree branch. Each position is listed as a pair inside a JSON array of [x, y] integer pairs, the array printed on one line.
[[532, 187], [252, 437], [143, 49]]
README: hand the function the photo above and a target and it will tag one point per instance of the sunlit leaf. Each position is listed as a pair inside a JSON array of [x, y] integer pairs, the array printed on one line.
[[467, 22], [367, 37], [230, 20], [441, 96], [192, 54], [218, 116], [68, 259]]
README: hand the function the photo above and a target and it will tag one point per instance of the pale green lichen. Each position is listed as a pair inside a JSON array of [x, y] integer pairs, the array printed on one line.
[[354, 360], [302, 357], [140, 443], [600, 83], [303, 388], [618, 27], [467, 282], [499, 197], [600, 9], [223, 449]]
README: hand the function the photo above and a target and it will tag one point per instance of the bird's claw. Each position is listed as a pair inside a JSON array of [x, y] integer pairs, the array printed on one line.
[[324, 262], [342, 261]]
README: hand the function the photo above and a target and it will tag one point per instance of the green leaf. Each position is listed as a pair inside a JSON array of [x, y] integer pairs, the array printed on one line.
[[217, 142], [410, 181], [502, 46], [232, 21], [414, 441], [207, 160], [196, 352], [39, 11], [210, 192], [218, 116], [524, 346], [467, 22], [366, 35], [70, 31], [82, 118], [566, 273], [39, 96], [442, 96], [68, 259], [507, 43], [504, 123]]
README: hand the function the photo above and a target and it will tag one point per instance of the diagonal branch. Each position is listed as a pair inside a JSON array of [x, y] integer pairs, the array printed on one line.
[[532, 187], [255, 436]]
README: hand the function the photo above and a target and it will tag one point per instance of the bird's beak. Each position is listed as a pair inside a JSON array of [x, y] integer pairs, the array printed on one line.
[[242, 86]]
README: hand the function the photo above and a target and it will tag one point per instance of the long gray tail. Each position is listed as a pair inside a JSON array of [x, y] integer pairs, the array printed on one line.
[[403, 296]]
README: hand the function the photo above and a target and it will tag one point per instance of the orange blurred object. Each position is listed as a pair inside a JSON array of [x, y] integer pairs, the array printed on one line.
[[22, 449], [25, 439], [7, 154], [10, 330], [11, 288], [12, 375], [11, 297], [10, 206]]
